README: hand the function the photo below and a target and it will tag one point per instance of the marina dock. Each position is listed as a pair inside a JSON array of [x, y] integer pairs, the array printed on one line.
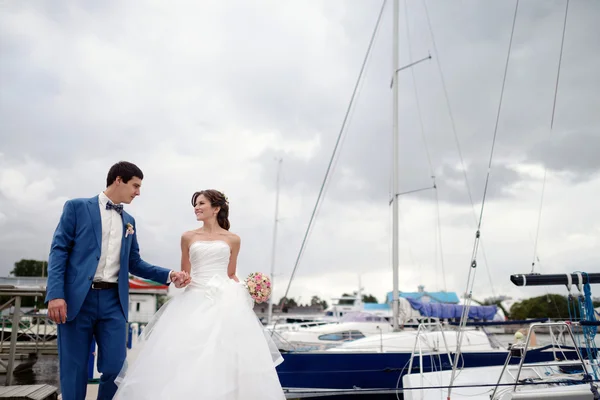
[[32, 347]]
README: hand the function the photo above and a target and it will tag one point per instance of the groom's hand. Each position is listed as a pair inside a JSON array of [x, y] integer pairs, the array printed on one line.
[[180, 279], [57, 310]]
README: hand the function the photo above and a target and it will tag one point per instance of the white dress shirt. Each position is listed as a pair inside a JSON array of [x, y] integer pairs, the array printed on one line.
[[110, 251]]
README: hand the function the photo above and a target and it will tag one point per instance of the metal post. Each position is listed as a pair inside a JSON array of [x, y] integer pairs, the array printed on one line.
[[13, 341], [271, 304], [395, 222]]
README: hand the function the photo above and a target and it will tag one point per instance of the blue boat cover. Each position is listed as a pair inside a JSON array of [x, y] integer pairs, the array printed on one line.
[[440, 310]]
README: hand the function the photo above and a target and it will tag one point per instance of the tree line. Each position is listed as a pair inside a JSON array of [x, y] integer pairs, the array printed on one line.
[[554, 306], [287, 303]]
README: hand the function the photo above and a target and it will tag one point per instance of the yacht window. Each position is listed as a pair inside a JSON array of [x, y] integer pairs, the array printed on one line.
[[341, 336]]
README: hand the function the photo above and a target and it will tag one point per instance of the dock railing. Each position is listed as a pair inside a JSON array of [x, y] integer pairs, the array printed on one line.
[[16, 294]]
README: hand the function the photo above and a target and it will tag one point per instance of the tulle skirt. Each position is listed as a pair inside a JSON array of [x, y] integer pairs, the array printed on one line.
[[205, 343]]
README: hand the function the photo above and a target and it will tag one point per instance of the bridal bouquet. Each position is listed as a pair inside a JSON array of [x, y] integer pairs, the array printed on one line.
[[259, 286]]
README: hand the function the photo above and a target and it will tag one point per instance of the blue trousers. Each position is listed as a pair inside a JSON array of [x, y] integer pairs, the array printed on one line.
[[101, 318]]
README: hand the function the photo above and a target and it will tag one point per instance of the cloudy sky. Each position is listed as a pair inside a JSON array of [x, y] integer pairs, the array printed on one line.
[[209, 94]]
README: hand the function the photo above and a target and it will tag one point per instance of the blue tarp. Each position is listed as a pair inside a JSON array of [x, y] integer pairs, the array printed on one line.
[[376, 306], [452, 310], [434, 297]]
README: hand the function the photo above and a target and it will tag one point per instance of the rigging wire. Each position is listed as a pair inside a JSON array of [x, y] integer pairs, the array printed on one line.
[[423, 136], [347, 122], [537, 234], [439, 224], [473, 268], [335, 150], [457, 141], [546, 288], [536, 258]]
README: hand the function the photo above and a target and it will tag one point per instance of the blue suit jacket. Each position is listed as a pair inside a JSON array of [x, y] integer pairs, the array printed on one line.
[[75, 252]]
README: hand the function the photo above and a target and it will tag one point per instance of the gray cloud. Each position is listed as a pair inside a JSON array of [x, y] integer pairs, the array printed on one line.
[[574, 153], [472, 52], [209, 94]]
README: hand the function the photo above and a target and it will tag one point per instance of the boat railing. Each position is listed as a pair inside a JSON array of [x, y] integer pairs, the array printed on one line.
[[520, 350], [277, 337], [427, 327], [16, 295]]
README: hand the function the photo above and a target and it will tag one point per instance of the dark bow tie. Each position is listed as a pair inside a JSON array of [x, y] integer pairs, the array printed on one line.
[[117, 207]]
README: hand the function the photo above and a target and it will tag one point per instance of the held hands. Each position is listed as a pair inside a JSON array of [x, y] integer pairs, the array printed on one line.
[[57, 310], [180, 278]]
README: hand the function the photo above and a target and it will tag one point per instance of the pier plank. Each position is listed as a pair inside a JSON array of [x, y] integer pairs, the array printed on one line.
[[29, 392]]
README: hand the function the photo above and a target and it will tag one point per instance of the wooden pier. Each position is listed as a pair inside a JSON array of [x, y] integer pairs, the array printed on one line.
[[32, 347], [29, 392]]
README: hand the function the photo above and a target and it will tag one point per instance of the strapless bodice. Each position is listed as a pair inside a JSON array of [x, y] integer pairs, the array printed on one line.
[[208, 258]]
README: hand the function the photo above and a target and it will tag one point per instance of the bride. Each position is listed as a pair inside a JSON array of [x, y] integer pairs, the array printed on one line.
[[206, 343]]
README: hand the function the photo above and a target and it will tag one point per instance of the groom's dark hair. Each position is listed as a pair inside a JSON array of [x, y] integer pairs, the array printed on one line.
[[125, 170]]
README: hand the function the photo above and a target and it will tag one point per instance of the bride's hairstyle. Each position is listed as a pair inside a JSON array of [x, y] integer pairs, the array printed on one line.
[[216, 199]]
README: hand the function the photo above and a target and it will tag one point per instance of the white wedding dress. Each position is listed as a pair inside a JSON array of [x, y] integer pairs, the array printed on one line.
[[205, 343]]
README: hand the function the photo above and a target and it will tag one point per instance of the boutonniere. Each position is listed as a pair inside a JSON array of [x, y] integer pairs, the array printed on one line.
[[130, 230]]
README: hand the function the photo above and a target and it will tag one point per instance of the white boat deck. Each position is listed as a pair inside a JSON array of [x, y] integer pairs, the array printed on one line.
[[479, 383]]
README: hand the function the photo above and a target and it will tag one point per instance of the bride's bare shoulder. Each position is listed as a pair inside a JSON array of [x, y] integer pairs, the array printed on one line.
[[188, 235], [233, 238]]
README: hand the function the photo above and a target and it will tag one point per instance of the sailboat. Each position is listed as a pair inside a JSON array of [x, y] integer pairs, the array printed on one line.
[[557, 379], [381, 370]]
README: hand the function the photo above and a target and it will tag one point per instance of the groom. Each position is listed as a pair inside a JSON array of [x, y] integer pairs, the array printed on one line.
[[93, 250]]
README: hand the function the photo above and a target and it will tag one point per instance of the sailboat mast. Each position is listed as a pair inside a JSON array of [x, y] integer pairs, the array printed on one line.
[[395, 257], [275, 222]]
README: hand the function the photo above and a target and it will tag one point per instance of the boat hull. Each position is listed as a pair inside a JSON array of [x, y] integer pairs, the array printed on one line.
[[329, 370]]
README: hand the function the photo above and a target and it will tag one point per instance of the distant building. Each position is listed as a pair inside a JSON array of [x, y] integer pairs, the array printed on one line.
[[143, 298], [316, 309], [262, 311], [427, 297]]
